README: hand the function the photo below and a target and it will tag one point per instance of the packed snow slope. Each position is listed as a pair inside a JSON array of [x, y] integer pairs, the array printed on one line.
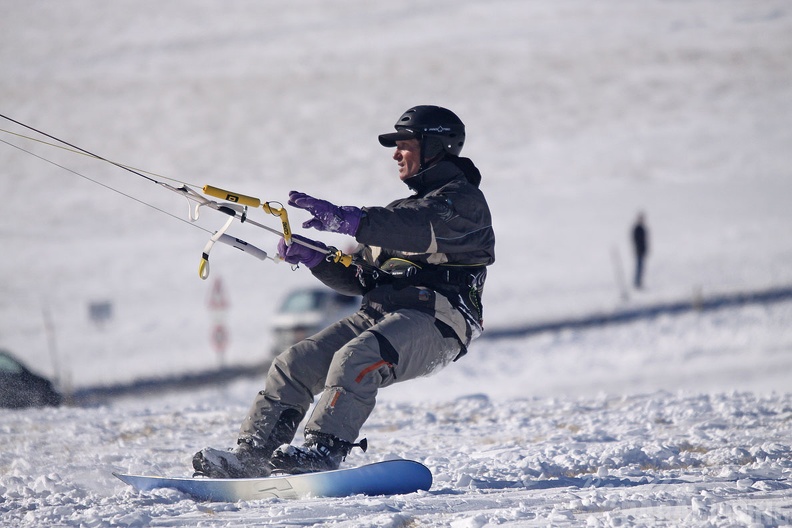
[[658, 459], [579, 116]]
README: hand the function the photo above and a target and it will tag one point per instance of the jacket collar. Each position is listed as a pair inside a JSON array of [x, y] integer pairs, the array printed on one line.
[[433, 177]]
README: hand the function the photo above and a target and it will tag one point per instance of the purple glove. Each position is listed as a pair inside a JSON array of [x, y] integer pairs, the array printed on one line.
[[299, 254], [326, 216]]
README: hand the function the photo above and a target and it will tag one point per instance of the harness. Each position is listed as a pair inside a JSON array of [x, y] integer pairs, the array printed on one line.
[[402, 273], [451, 281]]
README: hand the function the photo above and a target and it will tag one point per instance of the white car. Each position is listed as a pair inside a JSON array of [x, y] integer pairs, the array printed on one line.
[[306, 311]]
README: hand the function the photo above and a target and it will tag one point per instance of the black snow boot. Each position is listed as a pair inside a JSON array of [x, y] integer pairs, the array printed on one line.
[[244, 461], [320, 452]]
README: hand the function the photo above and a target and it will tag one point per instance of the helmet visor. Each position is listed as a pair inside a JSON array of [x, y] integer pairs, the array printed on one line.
[[403, 134]]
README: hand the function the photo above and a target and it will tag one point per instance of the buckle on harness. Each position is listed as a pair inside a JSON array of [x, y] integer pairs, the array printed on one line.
[[398, 268]]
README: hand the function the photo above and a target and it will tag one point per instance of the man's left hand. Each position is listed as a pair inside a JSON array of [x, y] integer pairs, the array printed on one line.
[[326, 216]]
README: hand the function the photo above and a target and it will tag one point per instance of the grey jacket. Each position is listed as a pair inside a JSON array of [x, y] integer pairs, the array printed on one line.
[[443, 231]]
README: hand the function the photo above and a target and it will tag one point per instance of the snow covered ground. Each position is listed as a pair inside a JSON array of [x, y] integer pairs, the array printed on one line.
[[579, 115], [668, 423]]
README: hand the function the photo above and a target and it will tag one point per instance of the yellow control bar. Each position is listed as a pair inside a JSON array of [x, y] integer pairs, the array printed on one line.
[[251, 201], [228, 196]]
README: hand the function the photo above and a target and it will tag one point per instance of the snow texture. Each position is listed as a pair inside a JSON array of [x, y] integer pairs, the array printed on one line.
[[579, 115]]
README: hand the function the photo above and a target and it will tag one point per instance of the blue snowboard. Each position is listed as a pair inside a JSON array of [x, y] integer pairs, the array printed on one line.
[[392, 477]]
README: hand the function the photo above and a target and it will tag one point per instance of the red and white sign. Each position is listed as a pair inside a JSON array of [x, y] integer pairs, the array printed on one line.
[[217, 298]]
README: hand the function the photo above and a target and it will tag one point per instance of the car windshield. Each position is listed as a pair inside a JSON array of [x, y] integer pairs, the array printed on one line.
[[9, 366], [303, 301]]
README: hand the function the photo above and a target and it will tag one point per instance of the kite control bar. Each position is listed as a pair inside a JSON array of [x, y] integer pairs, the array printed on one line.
[[237, 208], [250, 201]]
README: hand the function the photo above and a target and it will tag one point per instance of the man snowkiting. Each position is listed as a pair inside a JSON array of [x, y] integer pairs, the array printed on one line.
[[420, 266]]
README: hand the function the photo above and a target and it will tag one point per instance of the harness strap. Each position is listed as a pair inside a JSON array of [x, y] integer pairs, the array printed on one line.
[[434, 277]]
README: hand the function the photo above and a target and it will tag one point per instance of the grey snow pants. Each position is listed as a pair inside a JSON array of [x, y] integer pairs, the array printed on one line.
[[347, 363]]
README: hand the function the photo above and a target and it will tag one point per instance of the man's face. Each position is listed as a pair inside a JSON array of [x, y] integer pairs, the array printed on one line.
[[408, 157]]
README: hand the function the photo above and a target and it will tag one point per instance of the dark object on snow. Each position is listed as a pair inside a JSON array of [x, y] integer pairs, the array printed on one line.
[[21, 388]]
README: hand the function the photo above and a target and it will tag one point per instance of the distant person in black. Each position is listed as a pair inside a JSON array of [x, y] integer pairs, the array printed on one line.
[[640, 240]]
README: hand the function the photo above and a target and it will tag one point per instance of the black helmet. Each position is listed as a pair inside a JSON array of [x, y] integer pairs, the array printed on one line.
[[438, 129]]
